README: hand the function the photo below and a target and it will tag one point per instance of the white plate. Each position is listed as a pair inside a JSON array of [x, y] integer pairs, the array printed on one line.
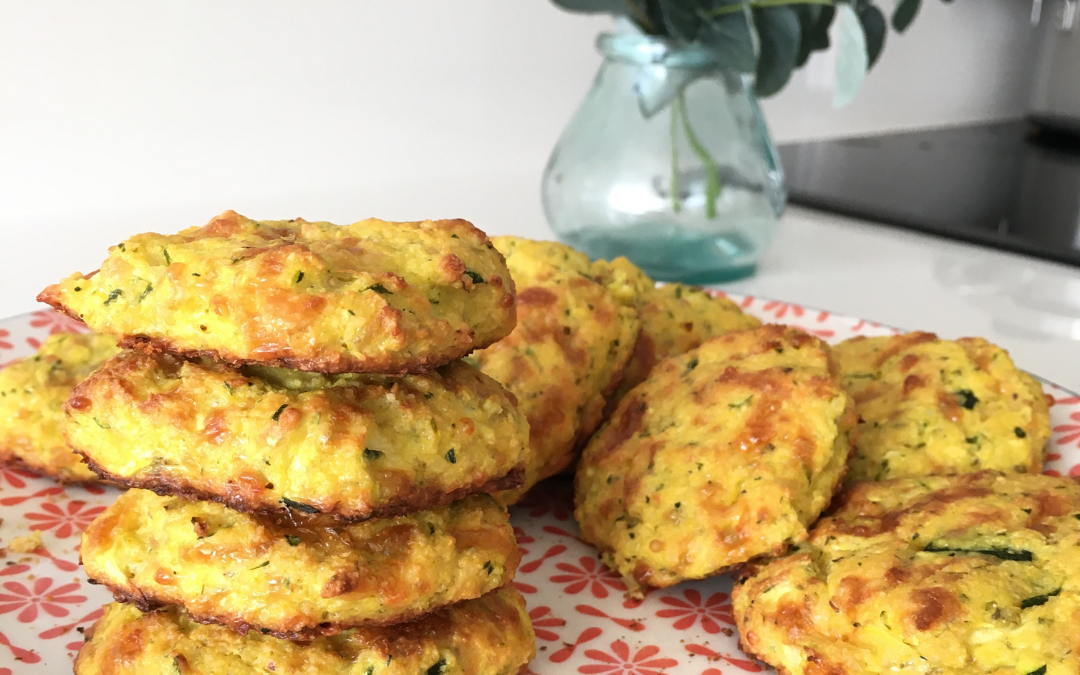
[[583, 623]]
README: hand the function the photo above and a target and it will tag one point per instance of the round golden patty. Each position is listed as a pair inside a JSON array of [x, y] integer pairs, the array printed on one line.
[[566, 356], [32, 395], [723, 454], [373, 296], [954, 575], [265, 440], [296, 577], [675, 318], [929, 406], [491, 635]]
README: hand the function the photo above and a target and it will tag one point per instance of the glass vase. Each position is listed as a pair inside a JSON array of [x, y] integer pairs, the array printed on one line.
[[668, 162]]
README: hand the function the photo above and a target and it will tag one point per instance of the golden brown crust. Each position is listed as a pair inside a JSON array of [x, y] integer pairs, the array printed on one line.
[[379, 297], [966, 574], [265, 440], [325, 364], [417, 500], [929, 407], [566, 355], [723, 455], [32, 391], [299, 577], [490, 635], [675, 318]]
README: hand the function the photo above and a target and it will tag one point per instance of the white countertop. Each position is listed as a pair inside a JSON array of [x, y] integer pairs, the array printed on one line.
[[882, 274]]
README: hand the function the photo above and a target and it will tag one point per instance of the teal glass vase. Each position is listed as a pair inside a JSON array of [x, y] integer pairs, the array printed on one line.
[[668, 162]]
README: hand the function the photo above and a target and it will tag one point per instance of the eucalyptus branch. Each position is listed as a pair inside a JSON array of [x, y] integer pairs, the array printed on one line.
[[712, 172], [676, 201], [641, 18], [761, 4]]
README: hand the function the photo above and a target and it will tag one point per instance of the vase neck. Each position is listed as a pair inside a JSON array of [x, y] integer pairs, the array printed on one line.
[[648, 50]]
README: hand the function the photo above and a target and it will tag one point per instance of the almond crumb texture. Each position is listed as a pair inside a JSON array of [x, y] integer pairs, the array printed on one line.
[[930, 406], [723, 454], [26, 544], [491, 635], [972, 574], [374, 296]]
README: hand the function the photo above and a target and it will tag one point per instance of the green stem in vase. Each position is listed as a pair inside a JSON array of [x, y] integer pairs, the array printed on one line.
[[712, 172], [676, 202]]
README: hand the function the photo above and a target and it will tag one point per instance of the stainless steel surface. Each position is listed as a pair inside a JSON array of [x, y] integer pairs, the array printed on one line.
[[1055, 90]]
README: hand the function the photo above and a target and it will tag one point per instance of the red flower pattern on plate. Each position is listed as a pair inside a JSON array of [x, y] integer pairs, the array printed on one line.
[[687, 612], [70, 519], [41, 595], [1070, 433], [5, 339], [780, 309], [542, 620], [588, 573], [57, 322], [619, 661], [16, 478]]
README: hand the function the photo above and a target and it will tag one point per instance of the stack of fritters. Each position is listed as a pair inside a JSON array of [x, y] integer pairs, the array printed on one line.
[[301, 379]]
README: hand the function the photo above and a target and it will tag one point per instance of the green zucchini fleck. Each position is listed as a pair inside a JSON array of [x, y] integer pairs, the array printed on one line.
[[1012, 554], [116, 293], [293, 539], [1037, 600], [304, 508], [371, 455], [451, 457], [967, 398], [277, 415], [476, 278]]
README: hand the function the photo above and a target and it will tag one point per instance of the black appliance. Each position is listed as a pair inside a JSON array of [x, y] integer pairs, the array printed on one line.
[[1011, 185]]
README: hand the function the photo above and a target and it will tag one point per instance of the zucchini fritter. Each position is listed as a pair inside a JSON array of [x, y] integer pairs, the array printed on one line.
[[491, 635], [929, 406], [295, 577], [265, 440], [567, 354], [373, 296], [675, 318], [956, 575], [32, 393], [723, 454]]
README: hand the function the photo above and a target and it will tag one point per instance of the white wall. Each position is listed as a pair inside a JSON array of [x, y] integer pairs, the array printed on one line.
[[121, 116]]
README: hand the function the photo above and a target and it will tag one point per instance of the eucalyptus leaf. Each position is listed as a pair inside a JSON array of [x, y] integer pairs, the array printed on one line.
[[852, 60], [594, 6], [904, 13], [724, 26], [814, 21], [875, 28], [779, 33]]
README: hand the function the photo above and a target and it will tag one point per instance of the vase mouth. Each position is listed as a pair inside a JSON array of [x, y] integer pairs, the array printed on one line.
[[640, 49]]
